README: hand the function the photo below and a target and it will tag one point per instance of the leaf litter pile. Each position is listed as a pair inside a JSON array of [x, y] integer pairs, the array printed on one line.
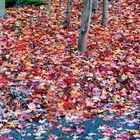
[[50, 91]]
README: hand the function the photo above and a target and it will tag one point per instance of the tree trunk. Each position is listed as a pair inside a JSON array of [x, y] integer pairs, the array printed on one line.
[[85, 24], [94, 5], [68, 15], [2, 8], [105, 12], [49, 7]]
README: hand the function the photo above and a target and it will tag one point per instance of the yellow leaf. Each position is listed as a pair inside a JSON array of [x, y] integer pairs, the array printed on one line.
[[116, 52], [138, 60], [114, 81], [46, 101], [113, 110], [100, 111], [130, 75], [100, 62], [60, 104], [4, 69], [11, 124], [136, 132], [115, 99], [89, 79], [127, 107], [17, 113], [17, 23], [87, 103]]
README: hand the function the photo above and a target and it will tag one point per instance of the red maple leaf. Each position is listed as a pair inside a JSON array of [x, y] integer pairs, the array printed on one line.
[[21, 48], [3, 80]]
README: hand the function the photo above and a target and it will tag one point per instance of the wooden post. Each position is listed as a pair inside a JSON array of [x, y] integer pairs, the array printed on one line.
[[68, 15], [105, 12], [2, 8], [85, 24], [49, 8], [94, 5]]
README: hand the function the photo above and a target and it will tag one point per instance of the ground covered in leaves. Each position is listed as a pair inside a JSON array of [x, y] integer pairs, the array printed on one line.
[[50, 91]]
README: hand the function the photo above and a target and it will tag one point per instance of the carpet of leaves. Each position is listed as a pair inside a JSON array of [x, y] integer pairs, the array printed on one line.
[[45, 84]]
